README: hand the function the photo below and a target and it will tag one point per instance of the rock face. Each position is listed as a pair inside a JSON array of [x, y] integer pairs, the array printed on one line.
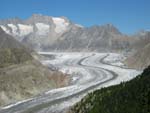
[[21, 76], [96, 38], [142, 38], [58, 33], [141, 57]]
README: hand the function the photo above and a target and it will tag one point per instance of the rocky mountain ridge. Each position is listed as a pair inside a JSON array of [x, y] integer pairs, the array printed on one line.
[[60, 34]]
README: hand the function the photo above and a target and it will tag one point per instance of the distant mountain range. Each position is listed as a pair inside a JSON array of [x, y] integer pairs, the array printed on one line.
[[38, 31], [140, 59], [46, 33], [59, 33]]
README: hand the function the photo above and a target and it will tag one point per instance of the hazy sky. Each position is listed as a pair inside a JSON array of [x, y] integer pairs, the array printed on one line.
[[127, 15]]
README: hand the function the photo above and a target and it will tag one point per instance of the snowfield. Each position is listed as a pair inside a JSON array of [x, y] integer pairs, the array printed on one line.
[[61, 24], [43, 29], [88, 72], [14, 29], [25, 29]]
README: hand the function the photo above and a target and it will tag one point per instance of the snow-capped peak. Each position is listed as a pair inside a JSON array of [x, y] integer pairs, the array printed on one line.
[[60, 23]]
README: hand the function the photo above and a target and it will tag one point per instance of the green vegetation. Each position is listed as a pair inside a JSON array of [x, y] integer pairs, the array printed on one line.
[[9, 56], [129, 97]]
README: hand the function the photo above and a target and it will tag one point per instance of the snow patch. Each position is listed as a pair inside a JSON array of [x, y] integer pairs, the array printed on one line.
[[14, 29], [5, 29], [43, 29], [61, 24], [115, 59], [25, 29]]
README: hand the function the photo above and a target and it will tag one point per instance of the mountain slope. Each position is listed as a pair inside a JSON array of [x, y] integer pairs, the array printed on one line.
[[7, 41], [129, 97], [97, 38], [140, 59], [142, 39], [11, 51], [21, 76]]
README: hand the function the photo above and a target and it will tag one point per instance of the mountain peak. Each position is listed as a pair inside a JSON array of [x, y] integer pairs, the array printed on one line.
[[44, 19], [110, 27], [107, 27]]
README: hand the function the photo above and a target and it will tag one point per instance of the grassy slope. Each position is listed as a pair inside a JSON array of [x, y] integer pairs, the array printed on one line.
[[129, 97], [10, 56]]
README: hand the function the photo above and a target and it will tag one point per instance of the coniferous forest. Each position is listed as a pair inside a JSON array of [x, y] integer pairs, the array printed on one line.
[[129, 97]]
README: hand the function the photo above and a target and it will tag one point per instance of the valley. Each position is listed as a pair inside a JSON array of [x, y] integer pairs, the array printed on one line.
[[57, 62], [74, 56], [88, 72]]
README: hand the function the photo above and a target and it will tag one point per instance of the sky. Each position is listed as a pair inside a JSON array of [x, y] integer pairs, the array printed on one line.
[[129, 16]]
